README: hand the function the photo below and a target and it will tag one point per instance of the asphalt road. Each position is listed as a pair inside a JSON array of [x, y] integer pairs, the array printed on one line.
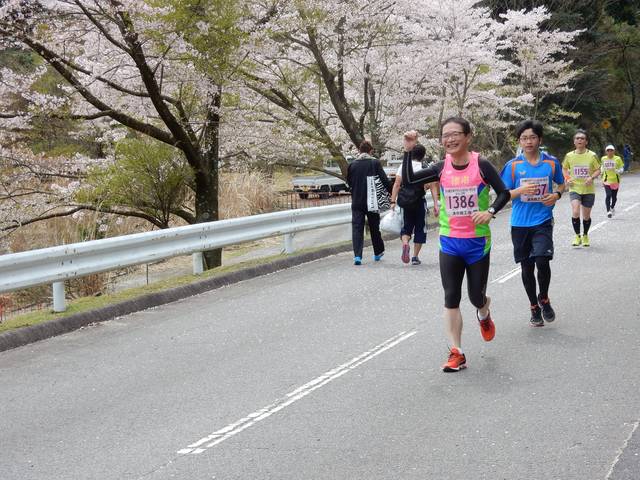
[[330, 371]]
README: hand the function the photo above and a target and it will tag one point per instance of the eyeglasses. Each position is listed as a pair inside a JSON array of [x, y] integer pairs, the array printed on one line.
[[531, 138], [452, 135]]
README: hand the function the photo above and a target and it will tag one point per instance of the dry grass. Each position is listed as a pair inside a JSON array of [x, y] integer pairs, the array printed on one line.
[[244, 193], [282, 180]]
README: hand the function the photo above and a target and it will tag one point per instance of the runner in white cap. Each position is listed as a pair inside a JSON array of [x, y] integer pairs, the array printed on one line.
[[612, 167]]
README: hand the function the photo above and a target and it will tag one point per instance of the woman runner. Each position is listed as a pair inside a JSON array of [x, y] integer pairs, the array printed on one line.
[[465, 237], [612, 167]]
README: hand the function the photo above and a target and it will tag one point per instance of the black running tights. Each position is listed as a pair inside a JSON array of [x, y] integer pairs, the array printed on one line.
[[452, 270], [611, 197], [529, 279]]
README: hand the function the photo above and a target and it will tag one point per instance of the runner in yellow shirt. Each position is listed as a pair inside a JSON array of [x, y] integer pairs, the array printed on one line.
[[612, 167], [581, 167]]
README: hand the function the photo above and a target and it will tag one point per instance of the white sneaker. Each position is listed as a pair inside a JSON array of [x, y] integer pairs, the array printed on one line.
[[609, 214]]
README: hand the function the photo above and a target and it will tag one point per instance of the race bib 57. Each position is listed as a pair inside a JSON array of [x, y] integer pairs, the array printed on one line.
[[542, 188]]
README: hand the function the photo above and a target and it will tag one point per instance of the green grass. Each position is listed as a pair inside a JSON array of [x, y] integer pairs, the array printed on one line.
[[92, 303]]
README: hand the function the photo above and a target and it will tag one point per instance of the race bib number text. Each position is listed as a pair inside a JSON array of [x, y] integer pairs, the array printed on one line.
[[461, 201], [542, 188], [580, 171]]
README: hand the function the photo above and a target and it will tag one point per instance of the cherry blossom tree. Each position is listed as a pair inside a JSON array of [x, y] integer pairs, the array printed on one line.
[[539, 55], [136, 64], [272, 81], [493, 71], [312, 62], [336, 72]]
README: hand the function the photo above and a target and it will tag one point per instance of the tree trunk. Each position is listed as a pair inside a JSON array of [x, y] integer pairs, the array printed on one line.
[[207, 178], [207, 210], [374, 126]]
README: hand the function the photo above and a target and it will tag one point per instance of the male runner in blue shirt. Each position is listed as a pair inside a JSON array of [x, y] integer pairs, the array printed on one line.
[[530, 178]]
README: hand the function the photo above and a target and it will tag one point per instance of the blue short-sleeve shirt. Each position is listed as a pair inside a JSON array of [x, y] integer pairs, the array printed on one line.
[[530, 211]]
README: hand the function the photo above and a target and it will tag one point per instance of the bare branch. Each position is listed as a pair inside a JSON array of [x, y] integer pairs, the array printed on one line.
[[125, 213], [101, 27], [184, 215], [114, 85], [39, 218]]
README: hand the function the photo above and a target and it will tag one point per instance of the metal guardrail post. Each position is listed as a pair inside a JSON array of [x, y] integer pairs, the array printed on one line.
[[198, 262], [58, 297], [288, 243]]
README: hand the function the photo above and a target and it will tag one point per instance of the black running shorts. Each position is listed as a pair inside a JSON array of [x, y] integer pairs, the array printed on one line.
[[531, 242], [586, 199]]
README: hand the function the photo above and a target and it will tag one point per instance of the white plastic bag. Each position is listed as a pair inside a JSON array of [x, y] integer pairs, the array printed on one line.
[[392, 221]]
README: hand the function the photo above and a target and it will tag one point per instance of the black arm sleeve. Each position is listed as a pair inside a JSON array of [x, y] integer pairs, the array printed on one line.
[[492, 177], [426, 175]]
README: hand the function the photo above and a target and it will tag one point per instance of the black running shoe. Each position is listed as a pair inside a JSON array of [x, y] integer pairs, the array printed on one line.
[[536, 317], [548, 314]]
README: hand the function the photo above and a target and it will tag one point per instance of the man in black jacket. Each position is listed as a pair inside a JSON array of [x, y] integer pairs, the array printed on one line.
[[363, 166]]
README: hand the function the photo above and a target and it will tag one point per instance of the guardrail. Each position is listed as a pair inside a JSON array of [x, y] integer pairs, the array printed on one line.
[[57, 264]]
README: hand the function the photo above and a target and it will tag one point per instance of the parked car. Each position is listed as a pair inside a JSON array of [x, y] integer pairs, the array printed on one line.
[[323, 185]]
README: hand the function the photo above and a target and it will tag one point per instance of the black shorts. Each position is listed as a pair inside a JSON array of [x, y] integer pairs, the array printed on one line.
[[415, 222], [530, 242], [586, 199]]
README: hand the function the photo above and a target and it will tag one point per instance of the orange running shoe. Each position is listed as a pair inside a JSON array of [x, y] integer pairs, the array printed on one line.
[[487, 327], [457, 361]]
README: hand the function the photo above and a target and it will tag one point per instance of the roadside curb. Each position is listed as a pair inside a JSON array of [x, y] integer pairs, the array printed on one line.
[[34, 333]]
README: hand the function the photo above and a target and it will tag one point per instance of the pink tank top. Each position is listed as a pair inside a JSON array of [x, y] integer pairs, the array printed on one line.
[[462, 193]]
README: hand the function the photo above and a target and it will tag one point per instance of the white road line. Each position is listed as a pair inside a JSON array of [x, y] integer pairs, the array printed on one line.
[[604, 222], [621, 451], [512, 273], [598, 225], [232, 429], [516, 271], [507, 276]]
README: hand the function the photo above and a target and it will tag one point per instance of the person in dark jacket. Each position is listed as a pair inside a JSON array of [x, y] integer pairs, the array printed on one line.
[[363, 166]]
